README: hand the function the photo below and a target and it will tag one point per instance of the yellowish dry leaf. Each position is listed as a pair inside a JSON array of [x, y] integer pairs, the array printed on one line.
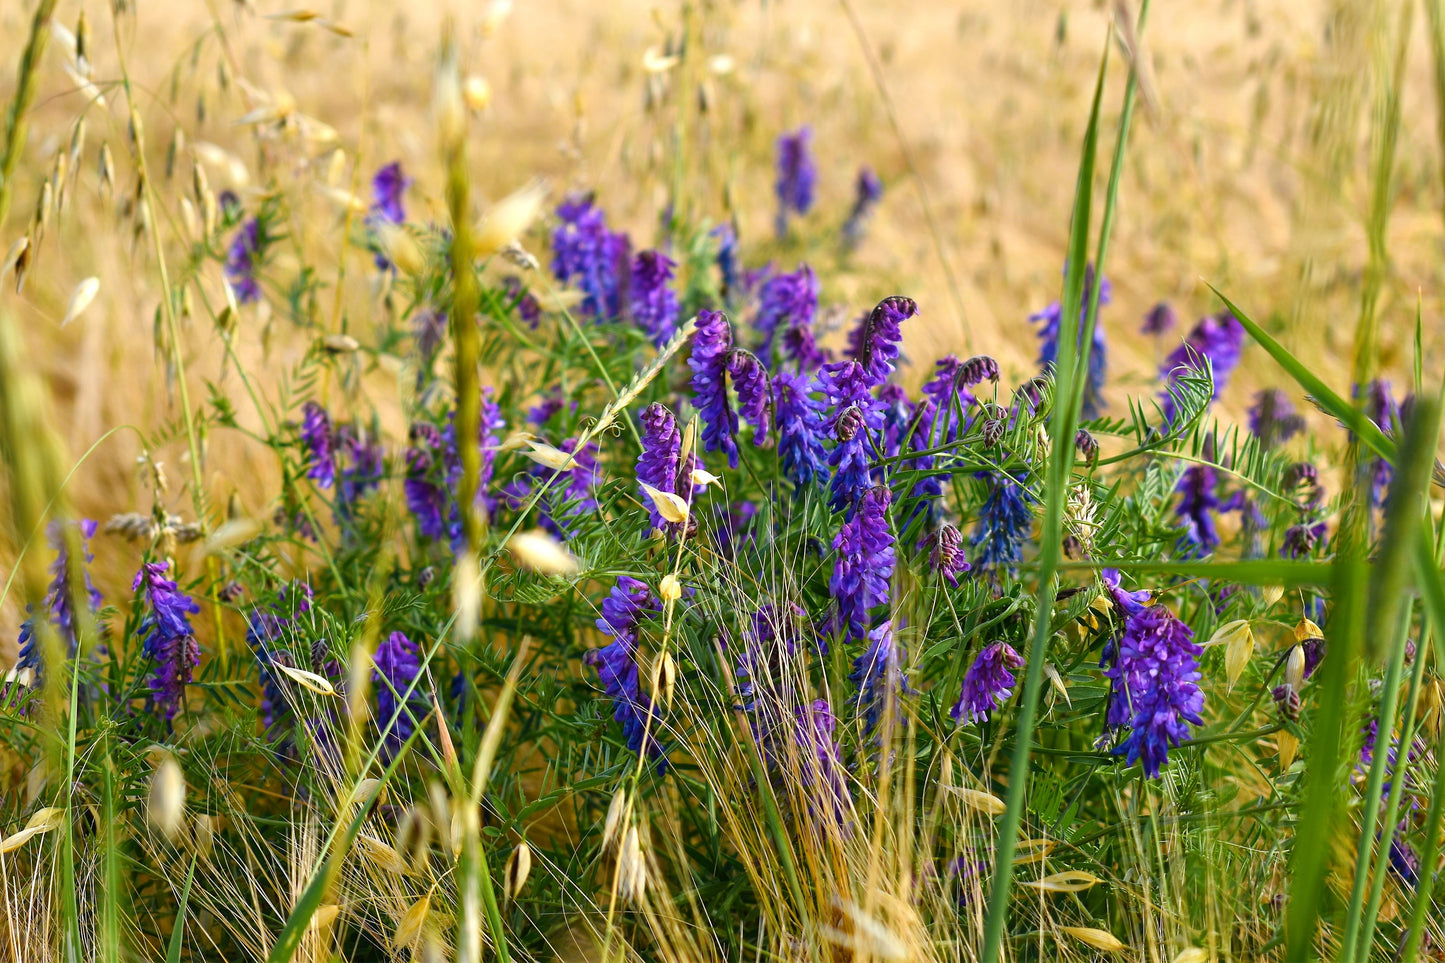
[[1192, 954], [1069, 881], [409, 927], [381, 855], [307, 680], [540, 552], [670, 506], [984, 802], [1098, 939]]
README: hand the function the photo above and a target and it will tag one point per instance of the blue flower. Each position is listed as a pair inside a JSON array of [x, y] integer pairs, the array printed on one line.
[[166, 637], [1161, 319], [711, 348], [799, 416], [243, 259], [945, 555], [878, 342], [797, 176], [867, 192], [988, 683], [855, 413], [395, 669], [654, 303], [754, 390], [1219, 339], [1052, 318], [864, 564], [661, 454], [60, 600], [878, 673], [729, 266], [425, 497], [363, 470], [623, 610], [1004, 523], [1154, 670], [586, 253], [1273, 419], [1198, 502], [1384, 411], [787, 306], [316, 434], [388, 187]]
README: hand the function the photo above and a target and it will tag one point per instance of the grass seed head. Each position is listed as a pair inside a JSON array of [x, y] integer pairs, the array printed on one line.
[[167, 806]]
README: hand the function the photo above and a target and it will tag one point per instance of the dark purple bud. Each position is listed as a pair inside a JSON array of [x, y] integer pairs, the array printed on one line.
[[992, 432], [1161, 319], [849, 423], [1087, 446]]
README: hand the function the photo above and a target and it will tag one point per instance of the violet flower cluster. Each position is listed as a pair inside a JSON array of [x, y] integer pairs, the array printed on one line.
[[586, 253], [1051, 321], [167, 639], [654, 303], [623, 611], [988, 683], [797, 176], [864, 566], [243, 261], [400, 703], [1218, 339]]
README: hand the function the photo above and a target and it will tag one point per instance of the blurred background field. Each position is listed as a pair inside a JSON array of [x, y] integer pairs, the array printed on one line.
[[1249, 169]]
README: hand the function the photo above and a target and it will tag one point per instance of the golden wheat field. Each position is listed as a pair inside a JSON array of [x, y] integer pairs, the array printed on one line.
[[1249, 170]]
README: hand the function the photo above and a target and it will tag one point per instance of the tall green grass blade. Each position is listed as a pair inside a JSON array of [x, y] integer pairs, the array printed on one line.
[[1432, 593], [1332, 404], [178, 932], [1068, 390]]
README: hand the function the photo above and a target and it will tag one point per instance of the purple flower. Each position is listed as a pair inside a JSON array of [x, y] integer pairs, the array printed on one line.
[[489, 428], [363, 470], [855, 413], [654, 303], [1154, 670], [429, 329], [750, 379], [1382, 409], [710, 350], [622, 613], [661, 451], [1300, 540], [395, 669], [987, 684], [822, 767], [728, 265], [523, 301], [881, 337], [867, 192], [1404, 861], [1004, 523], [787, 306], [243, 259], [316, 434], [864, 565], [586, 253], [797, 176], [1218, 338], [1161, 319], [946, 554], [897, 417], [388, 187], [949, 391], [425, 497], [577, 496], [878, 673], [166, 636], [800, 428], [1197, 503], [60, 600], [1273, 418], [1052, 318]]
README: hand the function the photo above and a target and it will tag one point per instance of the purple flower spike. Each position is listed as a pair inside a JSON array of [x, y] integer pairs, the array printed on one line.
[[1052, 318], [1004, 524], [395, 669], [800, 428], [988, 683], [365, 467], [750, 379], [787, 307], [166, 637], [1198, 501], [856, 413], [946, 554], [1220, 339], [661, 452], [654, 303], [243, 260], [867, 192], [1161, 319], [1273, 419], [60, 599], [797, 176], [317, 435], [711, 347], [1153, 665], [729, 266], [623, 610], [948, 389], [388, 187], [1384, 411], [882, 337], [878, 673], [425, 497], [586, 253], [864, 565]]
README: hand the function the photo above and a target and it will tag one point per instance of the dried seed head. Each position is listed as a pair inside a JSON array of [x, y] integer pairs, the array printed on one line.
[[1307, 630], [467, 595], [1294, 667], [190, 220], [669, 505], [540, 552], [340, 344], [616, 813], [77, 144], [15, 258], [167, 805], [58, 176], [43, 205], [669, 589], [664, 679], [178, 144], [631, 867], [203, 835], [519, 867], [80, 299], [509, 219], [107, 169], [477, 93], [399, 247], [82, 45]]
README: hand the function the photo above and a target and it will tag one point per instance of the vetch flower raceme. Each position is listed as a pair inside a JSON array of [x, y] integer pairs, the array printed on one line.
[[750, 379], [799, 416], [1198, 501], [589, 255], [1004, 523], [166, 637], [867, 192], [657, 466], [787, 308], [623, 610], [1154, 670], [1052, 326], [988, 683], [316, 434], [797, 176], [425, 497], [396, 667], [1273, 419], [363, 469], [711, 348], [388, 188], [1161, 319], [856, 414], [881, 337], [60, 600], [654, 303], [243, 260], [864, 566], [946, 554], [879, 675], [728, 265], [1219, 339]]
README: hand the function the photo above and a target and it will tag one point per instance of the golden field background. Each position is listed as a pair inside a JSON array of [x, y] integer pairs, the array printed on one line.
[[1249, 169]]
